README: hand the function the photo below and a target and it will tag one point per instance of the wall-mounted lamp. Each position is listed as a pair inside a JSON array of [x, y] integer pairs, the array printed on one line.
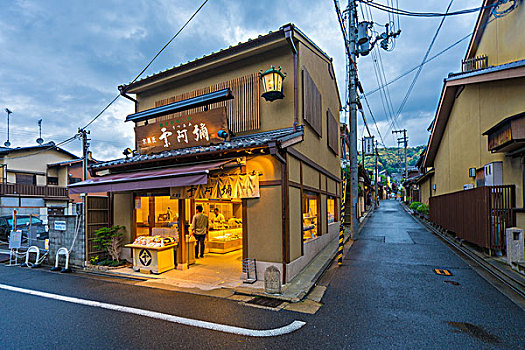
[[222, 134], [272, 81], [127, 152]]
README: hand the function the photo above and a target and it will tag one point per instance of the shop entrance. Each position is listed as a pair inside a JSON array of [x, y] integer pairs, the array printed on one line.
[[157, 216]]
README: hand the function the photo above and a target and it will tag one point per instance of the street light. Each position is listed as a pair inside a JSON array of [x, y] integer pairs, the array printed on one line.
[[7, 143], [272, 81]]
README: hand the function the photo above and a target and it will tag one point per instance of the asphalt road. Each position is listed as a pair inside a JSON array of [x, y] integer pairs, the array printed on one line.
[[385, 296]]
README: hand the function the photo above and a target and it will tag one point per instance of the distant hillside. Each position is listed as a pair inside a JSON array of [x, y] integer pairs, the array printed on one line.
[[393, 159]]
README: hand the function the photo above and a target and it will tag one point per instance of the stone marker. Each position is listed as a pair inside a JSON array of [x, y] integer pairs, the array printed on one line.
[[272, 280]]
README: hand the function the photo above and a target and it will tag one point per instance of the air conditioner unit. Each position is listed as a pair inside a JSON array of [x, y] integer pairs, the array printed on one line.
[[493, 174], [515, 246], [468, 186]]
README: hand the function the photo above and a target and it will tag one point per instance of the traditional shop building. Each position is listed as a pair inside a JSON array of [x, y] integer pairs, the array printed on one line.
[[229, 131]]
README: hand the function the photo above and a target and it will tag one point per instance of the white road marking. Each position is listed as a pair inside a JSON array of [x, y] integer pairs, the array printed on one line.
[[292, 327]]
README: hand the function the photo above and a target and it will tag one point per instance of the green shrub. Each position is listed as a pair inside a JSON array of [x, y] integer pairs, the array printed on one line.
[[414, 205], [423, 209], [109, 239]]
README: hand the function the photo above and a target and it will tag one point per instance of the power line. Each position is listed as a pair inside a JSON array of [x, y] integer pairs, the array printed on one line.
[[398, 11], [371, 92], [150, 62], [411, 87], [374, 119]]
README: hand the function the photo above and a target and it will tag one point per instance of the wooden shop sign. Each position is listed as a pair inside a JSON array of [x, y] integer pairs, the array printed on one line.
[[199, 129]]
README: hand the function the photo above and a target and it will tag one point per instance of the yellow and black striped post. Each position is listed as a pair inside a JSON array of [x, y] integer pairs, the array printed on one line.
[[341, 228]]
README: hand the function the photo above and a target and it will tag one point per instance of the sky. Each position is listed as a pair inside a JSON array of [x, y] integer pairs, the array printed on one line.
[[62, 60]]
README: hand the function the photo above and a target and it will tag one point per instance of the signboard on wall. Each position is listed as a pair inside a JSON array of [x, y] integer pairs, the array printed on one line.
[[15, 239], [199, 129], [60, 226], [221, 187], [369, 146]]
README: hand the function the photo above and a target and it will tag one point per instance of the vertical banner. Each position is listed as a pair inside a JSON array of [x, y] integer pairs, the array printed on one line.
[[369, 146]]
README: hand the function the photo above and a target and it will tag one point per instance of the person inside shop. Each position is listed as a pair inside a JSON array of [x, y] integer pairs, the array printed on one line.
[[217, 218], [199, 228]]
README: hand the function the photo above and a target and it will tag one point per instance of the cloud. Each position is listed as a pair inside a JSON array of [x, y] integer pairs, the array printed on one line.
[[62, 61]]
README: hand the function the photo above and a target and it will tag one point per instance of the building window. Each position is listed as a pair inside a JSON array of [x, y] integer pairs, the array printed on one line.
[[331, 210], [24, 179], [52, 180], [310, 215], [74, 180]]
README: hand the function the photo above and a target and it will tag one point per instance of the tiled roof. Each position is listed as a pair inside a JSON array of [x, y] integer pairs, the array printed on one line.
[[49, 146], [73, 161], [235, 143]]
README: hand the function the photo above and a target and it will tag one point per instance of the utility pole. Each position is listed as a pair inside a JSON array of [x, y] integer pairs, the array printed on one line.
[[403, 140], [85, 147], [352, 93]]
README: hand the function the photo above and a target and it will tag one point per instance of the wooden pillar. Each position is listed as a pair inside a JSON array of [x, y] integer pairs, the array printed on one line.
[[183, 250], [151, 214], [245, 229]]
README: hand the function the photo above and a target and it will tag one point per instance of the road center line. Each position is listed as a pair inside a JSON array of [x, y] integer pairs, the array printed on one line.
[[292, 327]]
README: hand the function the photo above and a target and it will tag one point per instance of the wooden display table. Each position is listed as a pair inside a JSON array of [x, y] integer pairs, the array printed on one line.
[[153, 259]]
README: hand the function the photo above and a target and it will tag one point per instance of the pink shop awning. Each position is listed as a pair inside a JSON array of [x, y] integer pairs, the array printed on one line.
[[194, 174]]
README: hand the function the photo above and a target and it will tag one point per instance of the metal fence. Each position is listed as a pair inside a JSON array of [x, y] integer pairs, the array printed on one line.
[[479, 215], [475, 63]]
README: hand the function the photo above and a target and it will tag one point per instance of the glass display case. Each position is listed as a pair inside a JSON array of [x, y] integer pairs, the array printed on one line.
[[310, 215], [330, 208], [225, 240]]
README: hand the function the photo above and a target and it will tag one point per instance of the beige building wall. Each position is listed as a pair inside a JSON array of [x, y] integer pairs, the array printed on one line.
[[264, 225], [477, 109], [267, 165], [294, 170], [32, 161], [316, 148], [296, 223], [502, 40], [424, 190]]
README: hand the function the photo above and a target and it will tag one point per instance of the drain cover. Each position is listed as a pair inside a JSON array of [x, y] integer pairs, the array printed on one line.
[[454, 283], [268, 302]]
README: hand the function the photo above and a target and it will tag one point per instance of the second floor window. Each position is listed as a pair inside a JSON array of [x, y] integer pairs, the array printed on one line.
[[73, 180], [52, 180], [26, 179]]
